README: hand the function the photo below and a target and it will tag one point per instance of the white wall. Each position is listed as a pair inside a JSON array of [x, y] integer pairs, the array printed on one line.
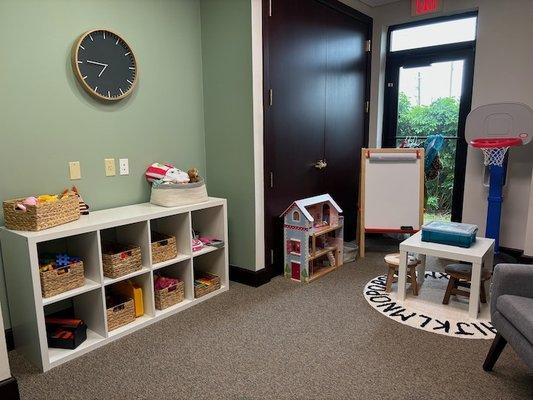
[[503, 72]]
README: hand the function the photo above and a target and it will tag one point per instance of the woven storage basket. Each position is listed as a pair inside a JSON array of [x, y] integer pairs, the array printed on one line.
[[163, 247], [167, 297], [41, 216], [200, 291], [120, 259], [120, 315], [62, 279], [179, 194]]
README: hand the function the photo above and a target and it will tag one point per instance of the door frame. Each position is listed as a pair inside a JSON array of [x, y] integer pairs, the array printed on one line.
[[441, 53], [267, 145]]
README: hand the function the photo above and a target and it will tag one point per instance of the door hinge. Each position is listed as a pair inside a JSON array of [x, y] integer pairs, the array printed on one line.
[[269, 8], [367, 106], [368, 45], [271, 256], [270, 97], [390, 84], [271, 180]]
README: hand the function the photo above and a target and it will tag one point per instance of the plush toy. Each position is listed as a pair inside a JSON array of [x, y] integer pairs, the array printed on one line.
[[166, 173], [175, 175], [194, 175]]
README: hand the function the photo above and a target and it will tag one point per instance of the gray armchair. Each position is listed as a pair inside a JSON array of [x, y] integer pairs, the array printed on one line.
[[511, 308]]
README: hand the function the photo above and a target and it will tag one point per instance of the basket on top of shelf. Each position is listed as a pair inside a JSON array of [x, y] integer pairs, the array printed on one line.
[[120, 259], [205, 283], [178, 194], [41, 215], [169, 296], [163, 247], [119, 312], [63, 279]]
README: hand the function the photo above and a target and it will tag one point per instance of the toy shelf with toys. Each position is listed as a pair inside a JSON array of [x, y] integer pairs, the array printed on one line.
[[114, 287]]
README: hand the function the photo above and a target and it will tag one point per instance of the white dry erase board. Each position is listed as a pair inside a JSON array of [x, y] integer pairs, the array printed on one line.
[[392, 192]]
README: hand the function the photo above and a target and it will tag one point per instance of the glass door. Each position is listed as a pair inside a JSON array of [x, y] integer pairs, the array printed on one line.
[[428, 96]]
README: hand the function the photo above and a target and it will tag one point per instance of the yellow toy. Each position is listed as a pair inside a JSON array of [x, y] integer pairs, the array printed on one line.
[[47, 198]]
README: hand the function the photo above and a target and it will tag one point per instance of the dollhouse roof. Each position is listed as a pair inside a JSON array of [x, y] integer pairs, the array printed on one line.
[[310, 201]]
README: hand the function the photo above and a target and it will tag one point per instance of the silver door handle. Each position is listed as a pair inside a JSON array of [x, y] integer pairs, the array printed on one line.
[[321, 164]]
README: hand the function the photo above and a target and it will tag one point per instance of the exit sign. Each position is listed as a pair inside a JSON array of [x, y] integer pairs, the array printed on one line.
[[421, 7]]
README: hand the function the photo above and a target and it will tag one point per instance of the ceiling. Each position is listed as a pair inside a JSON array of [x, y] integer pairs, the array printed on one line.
[[375, 3]]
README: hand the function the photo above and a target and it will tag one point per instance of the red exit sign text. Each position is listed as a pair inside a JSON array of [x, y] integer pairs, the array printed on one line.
[[421, 7]]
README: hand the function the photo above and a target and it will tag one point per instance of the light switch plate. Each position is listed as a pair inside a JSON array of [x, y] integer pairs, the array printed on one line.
[[74, 170], [110, 167], [123, 166]]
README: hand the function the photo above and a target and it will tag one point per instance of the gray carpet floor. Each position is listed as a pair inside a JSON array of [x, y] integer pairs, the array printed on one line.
[[284, 341]]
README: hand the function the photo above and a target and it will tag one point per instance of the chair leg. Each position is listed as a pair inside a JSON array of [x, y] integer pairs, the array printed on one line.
[[449, 288], [495, 350], [482, 293], [414, 282], [390, 278]]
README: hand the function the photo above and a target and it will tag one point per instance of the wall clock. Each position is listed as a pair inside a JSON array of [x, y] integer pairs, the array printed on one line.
[[104, 64]]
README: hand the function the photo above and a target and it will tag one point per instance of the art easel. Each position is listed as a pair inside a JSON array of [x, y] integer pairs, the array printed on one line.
[[391, 195]]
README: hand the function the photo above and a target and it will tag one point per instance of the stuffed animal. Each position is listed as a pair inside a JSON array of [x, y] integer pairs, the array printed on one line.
[[194, 175], [166, 173], [175, 175]]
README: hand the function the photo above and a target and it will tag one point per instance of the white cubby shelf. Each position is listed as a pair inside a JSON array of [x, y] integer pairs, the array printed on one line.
[[129, 225]]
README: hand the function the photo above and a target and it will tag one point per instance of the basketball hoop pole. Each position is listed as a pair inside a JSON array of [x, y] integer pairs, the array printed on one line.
[[494, 210]]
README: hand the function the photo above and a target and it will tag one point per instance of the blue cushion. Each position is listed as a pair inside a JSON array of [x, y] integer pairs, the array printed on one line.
[[519, 312]]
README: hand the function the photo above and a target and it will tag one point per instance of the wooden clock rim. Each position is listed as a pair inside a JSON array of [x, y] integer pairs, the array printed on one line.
[[77, 72]]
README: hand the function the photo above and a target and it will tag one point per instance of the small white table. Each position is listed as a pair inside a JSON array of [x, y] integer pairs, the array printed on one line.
[[480, 254]]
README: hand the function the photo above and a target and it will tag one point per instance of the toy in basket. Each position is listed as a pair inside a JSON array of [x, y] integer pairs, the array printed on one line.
[[41, 212], [205, 283], [173, 187], [168, 292], [60, 273], [163, 247], [120, 259]]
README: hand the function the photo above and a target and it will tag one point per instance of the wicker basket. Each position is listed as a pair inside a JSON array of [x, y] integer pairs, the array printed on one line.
[[179, 194], [41, 216], [120, 315], [163, 247], [202, 290], [62, 279], [167, 297], [120, 259]]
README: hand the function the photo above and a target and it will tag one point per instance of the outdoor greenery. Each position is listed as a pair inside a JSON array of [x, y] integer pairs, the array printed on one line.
[[440, 117]]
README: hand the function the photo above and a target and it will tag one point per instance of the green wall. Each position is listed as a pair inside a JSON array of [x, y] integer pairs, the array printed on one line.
[[227, 62], [46, 119]]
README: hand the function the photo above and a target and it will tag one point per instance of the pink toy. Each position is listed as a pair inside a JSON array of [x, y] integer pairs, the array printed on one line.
[[30, 201]]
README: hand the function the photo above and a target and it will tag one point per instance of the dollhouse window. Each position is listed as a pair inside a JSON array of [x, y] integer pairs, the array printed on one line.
[[325, 213], [294, 247], [296, 216]]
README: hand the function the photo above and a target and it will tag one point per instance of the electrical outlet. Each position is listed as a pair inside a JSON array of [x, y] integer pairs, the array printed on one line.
[[74, 170], [123, 166], [110, 167]]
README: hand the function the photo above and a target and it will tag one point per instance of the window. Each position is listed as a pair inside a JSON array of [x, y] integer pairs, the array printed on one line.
[[294, 247], [296, 216], [434, 33]]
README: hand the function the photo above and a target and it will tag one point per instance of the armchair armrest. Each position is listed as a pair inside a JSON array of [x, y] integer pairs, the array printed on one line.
[[514, 279]]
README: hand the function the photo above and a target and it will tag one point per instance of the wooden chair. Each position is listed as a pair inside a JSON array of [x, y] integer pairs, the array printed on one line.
[[393, 262], [460, 276]]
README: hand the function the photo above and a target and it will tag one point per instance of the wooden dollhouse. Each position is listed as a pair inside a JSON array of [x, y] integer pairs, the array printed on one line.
[[313, 235]]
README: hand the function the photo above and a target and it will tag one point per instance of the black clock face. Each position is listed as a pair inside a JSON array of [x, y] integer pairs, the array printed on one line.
[[106, 65]]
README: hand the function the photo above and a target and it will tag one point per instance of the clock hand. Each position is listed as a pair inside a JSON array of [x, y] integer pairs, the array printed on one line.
[[98, 63]]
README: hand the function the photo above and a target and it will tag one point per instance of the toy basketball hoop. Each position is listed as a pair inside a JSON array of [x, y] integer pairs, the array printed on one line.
[[494, 129], [494, 149]]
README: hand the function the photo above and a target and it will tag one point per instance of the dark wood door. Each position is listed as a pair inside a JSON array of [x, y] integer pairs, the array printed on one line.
[[345, 131], [315, 90]]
